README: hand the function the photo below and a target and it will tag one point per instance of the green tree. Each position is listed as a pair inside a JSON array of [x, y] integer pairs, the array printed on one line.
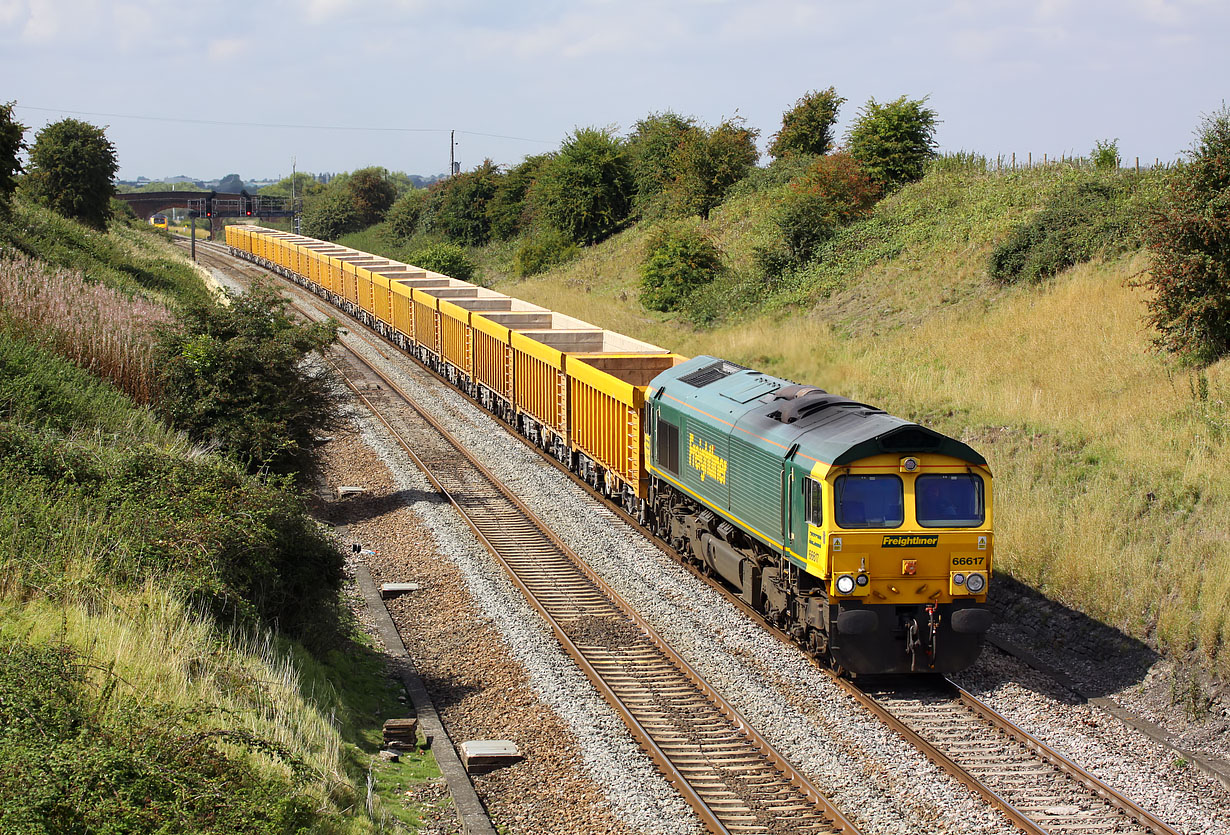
[[403, 216], [1190, 239], [72, 171], [305, 185], [231, 184], [652, 150], [11, 146], [894, 141], [708, 162], [585, 190], [679, 259], [1105, 154], [807, 128], [457, 207], [330, 214], [508, 211], [833, 192], [236, 376], [372, 190]]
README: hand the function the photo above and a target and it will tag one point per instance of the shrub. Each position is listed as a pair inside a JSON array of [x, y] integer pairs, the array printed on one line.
[[585, 190], [679, 260], [652, 150], [329, 214], [403, 217], [457, 207], [72, 168], [1105, 154], [372, 192], [539, 252], [235, 376], [508, 211], [894, 141], [833, 191], [1083, 219], [707, 163], [449, 259], [11, 146], [1190, 239], [807, 128]]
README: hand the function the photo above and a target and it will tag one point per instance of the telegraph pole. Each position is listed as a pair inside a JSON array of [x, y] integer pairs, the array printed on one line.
[[452, 165]]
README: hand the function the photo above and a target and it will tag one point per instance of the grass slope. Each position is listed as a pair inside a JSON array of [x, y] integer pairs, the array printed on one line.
[[140, 687], [1112, 495]]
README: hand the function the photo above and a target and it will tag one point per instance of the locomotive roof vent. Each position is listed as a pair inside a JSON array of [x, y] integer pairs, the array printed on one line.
[[711, 373], [806, 404], [796, 391]]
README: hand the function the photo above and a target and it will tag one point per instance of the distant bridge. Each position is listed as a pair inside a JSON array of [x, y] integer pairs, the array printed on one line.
[[210, 204]]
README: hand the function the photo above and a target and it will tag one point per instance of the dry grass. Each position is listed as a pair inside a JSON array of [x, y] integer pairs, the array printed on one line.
[[164, 654], [1112, 495], [103, 331]]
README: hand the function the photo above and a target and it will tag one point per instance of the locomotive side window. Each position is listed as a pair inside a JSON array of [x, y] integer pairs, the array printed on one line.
[[949, 501], [813, 500], [869, 501], [668, 445]]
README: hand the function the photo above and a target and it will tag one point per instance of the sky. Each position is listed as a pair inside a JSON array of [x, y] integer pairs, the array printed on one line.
[[213, 88]]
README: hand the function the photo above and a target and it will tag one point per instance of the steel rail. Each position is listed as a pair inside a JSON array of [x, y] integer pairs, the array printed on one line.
[[644, 736], [932, 751]]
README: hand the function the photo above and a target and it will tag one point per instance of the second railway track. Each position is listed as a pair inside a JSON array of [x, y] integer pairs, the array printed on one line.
[[733, 778], [1039, 790]]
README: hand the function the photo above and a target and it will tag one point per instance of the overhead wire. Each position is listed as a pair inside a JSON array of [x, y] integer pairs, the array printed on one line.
[[227, 123]]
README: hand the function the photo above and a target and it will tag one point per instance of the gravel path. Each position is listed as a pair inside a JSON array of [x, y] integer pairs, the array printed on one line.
[[493, 669]]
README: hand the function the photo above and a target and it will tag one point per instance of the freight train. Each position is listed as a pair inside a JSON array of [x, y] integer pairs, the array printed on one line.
[[866, 536]]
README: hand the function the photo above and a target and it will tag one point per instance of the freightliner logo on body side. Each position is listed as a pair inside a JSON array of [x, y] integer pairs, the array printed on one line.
[[901, 540]]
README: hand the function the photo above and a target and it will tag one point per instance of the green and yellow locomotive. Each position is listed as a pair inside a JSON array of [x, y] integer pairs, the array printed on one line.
[[866, 535]]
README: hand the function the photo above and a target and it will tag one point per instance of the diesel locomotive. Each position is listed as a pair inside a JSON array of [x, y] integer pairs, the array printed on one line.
[[866, 536]]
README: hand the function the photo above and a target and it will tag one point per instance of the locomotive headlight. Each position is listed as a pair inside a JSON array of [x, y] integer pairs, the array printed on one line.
[[958, 579], [909, 465], [862, 579], [845, 584], [976, 583]]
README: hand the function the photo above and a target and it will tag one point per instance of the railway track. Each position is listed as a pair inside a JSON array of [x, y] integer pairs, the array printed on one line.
[[733, 778], [1035, 787]]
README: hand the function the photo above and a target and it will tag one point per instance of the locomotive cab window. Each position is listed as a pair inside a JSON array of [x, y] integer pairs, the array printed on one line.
[[949, 501], [869, 501], [668, 445], [813, 501]]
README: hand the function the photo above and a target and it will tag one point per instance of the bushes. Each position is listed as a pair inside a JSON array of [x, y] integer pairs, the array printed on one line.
[[680, 259], [807, 128], [403, 217], [539, 252], [834, 191], [77, 757], [235, 377], [330, 214], [449, 259], [707, 163], [457, 207], [1085, 218], [585, 191], [1190, 239], [72, 168], [894, 141]]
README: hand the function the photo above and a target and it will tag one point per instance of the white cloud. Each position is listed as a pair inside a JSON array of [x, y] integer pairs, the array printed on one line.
[[226, 49]]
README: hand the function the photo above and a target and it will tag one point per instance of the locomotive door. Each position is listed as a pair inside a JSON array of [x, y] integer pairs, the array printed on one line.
[[794, 526]]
